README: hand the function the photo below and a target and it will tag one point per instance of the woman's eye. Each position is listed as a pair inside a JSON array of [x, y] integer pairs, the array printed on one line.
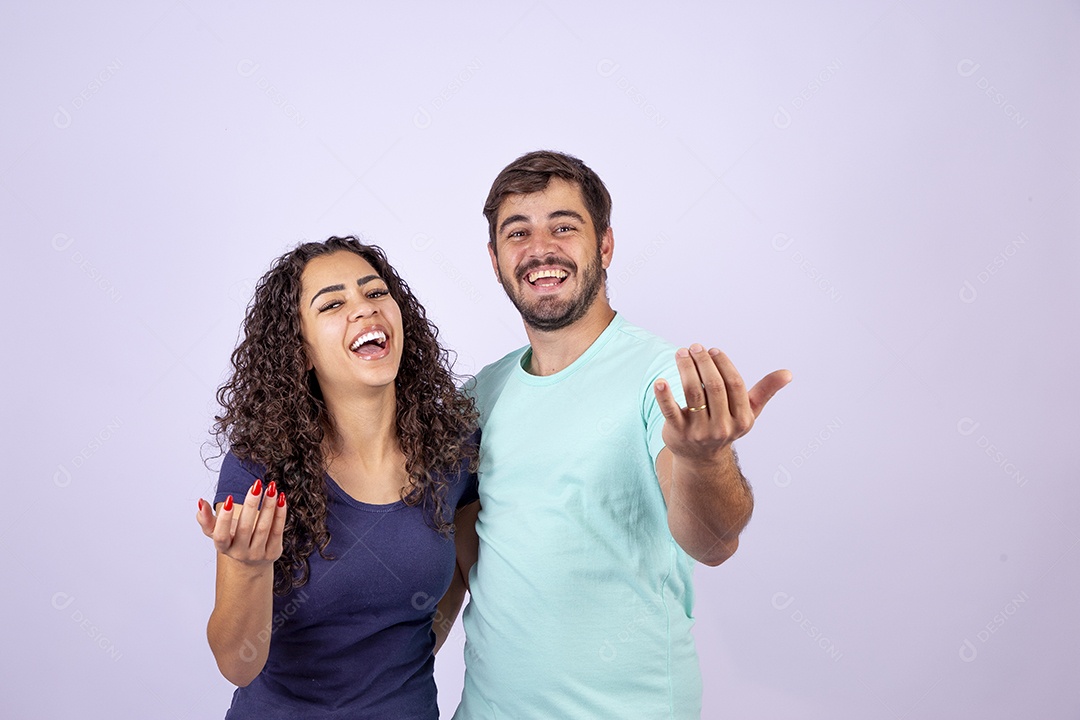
[[378, 293], [330, 305]]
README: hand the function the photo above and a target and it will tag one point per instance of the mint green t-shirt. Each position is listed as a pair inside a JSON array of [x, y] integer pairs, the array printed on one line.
[[581, 600]]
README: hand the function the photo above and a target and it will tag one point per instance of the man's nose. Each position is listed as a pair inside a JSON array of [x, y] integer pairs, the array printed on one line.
[[542, 243]]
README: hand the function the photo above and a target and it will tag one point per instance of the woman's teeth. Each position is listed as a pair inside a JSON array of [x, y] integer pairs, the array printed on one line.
[[376, 336]]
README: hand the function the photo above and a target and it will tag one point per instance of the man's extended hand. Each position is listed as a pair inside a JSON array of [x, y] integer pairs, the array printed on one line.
[[718, 409], [709, 501]]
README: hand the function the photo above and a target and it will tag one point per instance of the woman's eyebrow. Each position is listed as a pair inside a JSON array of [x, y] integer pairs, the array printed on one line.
[[329, 288], [337, 288]]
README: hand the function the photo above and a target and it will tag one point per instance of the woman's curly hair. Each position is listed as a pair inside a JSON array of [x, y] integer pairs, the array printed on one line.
[[273, 411]]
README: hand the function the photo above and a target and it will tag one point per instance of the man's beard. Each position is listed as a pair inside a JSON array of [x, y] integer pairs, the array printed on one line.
[[549, 313]]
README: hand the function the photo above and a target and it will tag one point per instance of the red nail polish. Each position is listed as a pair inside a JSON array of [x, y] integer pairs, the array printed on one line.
[[200, 504], [281, 499], [228, 504], [271, 489], [256, 489]]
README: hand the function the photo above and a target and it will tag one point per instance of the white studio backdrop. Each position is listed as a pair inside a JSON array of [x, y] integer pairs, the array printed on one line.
[[881, 196]]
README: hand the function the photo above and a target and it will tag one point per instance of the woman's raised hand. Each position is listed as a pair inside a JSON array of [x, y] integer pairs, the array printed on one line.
[[249, 533]]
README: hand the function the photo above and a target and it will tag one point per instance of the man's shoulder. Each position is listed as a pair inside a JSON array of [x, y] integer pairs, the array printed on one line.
[[494, 375], [642, 345], [501, 367]]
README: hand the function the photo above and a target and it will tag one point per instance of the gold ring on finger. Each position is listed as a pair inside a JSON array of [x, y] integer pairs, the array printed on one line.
[[698, 409]]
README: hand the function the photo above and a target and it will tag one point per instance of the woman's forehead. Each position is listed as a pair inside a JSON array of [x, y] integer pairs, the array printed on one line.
[[340, 267]]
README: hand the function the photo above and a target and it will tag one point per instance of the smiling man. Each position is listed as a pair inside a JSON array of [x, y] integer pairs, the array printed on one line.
[[598, 489]]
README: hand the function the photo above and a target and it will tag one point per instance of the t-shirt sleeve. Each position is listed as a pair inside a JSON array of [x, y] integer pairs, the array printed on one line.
[[470, 491], [662, 367], [236, 478]]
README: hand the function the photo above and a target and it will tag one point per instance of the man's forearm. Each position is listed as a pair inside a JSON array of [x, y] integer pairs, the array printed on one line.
[[708, 506]]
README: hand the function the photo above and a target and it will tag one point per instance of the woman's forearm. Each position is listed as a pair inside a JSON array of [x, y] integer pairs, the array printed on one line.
[[240, 624]]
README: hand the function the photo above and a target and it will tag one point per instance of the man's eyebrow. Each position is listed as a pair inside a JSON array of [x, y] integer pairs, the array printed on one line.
[[329, 288], [511, 219], [566, 213]]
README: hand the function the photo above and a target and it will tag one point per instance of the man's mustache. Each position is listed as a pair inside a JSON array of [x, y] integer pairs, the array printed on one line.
[[549, 261]]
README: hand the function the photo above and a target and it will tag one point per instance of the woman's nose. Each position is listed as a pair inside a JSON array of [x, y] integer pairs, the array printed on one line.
[[362, 308]]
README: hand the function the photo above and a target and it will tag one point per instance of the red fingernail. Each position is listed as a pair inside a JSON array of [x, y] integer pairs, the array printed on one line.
[[256, 489], [200, 504], [271, 489], [228, 504], [281, 499]]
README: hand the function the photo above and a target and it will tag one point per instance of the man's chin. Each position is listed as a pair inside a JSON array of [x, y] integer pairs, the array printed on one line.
[[551, 316], [552, 312]]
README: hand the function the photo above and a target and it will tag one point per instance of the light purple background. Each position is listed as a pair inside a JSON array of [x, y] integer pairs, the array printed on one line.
[[881, 196]]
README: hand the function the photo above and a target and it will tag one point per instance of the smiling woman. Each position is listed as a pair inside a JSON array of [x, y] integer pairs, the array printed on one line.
[[351, 315], [349, 449]]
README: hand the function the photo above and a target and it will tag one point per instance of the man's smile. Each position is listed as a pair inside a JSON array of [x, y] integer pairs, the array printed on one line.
[[547, 277]]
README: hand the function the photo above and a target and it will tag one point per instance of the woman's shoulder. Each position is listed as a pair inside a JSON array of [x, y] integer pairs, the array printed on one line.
[[234, 463], [237, 474]]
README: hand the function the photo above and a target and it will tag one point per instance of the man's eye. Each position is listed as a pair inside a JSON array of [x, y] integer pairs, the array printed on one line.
[[564, 228], [516, 233]]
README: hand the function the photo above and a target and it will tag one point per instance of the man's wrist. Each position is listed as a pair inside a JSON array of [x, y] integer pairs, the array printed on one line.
[[719, 463]]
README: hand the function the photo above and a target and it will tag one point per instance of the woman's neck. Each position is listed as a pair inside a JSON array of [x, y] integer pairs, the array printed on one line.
[[364, 431]]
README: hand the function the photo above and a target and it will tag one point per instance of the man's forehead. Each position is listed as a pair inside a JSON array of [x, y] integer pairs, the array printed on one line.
[[563, 193]]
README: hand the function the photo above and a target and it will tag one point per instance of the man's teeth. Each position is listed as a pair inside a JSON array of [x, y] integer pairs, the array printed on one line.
[[557, 274], [377, 336]]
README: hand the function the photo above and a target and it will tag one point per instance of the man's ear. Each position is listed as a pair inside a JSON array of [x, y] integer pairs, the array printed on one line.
[[607, 247], [494, 260]]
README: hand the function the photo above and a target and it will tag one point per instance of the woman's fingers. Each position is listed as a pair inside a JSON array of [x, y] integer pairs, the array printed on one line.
[[250, 532], [223, 525], [249, 516], [264, 520], [205, 518], [274, 543]]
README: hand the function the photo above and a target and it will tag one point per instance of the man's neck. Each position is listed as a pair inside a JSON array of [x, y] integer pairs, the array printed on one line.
[[555, 350]]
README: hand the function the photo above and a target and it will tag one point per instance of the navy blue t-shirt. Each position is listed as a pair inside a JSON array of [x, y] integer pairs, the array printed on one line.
[[356, 640]]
